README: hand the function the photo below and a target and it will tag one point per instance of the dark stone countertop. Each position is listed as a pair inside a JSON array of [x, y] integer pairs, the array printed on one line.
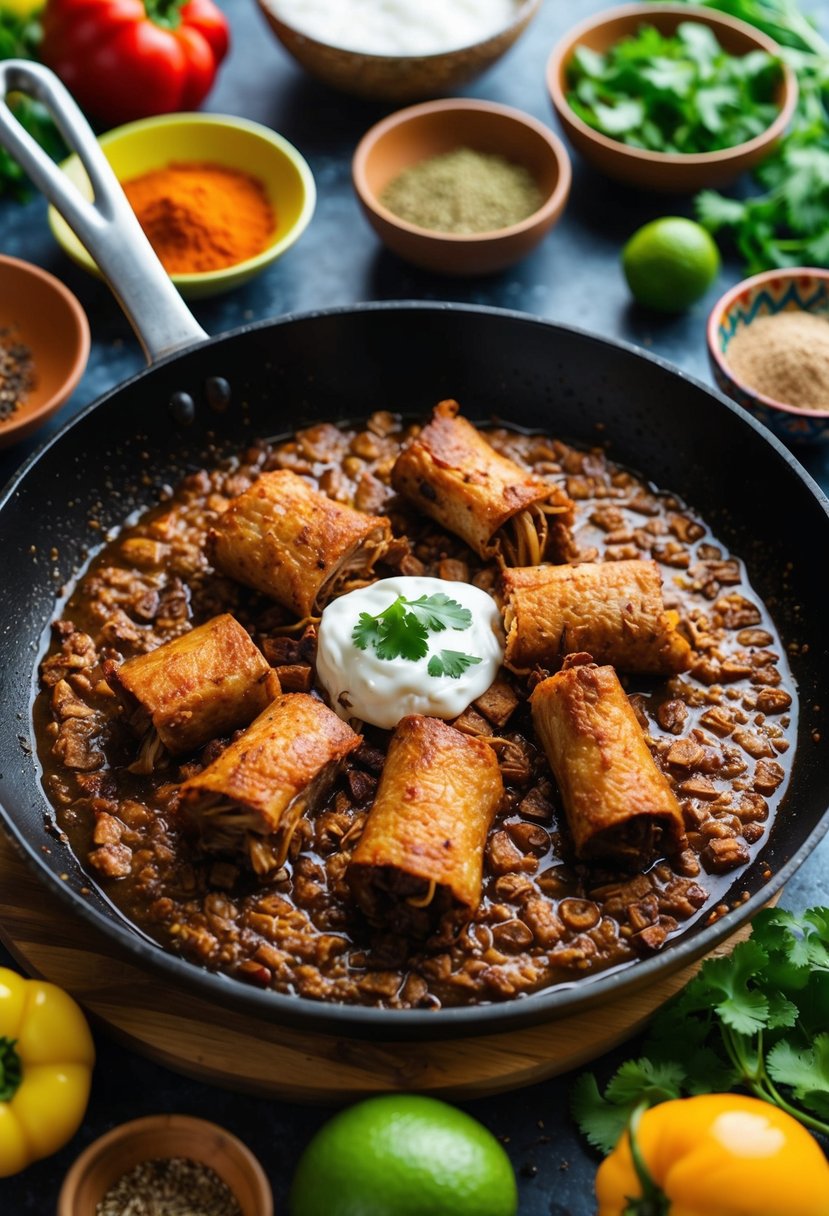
[[574, 277]]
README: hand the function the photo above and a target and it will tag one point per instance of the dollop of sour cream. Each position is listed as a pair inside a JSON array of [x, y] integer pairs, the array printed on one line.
[[382, 691]]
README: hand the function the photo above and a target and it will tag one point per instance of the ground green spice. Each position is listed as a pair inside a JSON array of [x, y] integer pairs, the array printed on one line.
[[463, 191]]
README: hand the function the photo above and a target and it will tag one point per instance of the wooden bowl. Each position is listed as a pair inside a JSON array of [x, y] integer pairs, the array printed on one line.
[[664, 171], [396, 77], [161, 1136], [803, 288], [44, 315], [437, 127]]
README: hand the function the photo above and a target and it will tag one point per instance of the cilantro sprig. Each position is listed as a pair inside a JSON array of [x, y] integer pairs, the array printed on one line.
[[787, 222], [452, 663], [402, 630], [756, 1020], [677, 93]]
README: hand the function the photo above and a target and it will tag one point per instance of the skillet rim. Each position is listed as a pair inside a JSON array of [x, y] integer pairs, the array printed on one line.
[[357, 1021]]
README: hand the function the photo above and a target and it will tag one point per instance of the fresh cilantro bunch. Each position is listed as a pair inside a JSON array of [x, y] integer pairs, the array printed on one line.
[[402, 630], [788, 223], [757, 1020], [19, 39], [679, 93]]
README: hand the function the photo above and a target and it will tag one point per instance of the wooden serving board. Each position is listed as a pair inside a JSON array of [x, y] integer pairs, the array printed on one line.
[[210, 1043]]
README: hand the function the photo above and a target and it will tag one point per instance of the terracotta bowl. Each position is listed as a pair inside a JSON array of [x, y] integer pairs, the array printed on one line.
[[802, 288], [436, 127], [159, 1136], [45, 316], [396, 77], [664, 171]]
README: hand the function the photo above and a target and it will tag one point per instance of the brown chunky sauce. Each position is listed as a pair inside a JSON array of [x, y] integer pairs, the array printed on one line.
[[723, 733]]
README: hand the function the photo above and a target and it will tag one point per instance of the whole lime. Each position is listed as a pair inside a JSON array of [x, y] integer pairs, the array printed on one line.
[[670, 263], [403, 1155]]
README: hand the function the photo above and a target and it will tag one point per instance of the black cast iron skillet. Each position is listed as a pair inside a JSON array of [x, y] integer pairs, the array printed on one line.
[[340, 364]]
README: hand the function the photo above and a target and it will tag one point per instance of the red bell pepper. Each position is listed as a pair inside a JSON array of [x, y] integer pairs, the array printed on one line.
[[127, 59]]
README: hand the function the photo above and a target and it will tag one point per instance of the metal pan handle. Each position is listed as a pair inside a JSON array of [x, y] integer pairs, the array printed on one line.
[[106, 226]]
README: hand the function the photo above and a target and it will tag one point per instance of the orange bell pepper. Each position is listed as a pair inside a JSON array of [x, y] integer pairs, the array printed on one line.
[[715, 1155]]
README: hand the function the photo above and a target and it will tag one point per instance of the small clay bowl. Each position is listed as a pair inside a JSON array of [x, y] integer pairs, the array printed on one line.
[[397, 77], [235, 143], [664, 171], [803, 288], [157, 1137], [436, 127], [42, 314]]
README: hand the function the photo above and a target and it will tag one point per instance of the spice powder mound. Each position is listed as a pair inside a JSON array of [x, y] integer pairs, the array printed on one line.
[[463, 192], [17, 373], [784, 357], [201, 217], [174, 1186]]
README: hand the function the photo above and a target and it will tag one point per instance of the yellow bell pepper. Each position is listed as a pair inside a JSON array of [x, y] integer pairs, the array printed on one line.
[[46, 1059], [715, 1155], [21, 8]]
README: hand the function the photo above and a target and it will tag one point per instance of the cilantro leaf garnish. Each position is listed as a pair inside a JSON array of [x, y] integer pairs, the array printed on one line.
[[755, 1020], [393, 633], [401, 631], [452, 663], [438, 612]]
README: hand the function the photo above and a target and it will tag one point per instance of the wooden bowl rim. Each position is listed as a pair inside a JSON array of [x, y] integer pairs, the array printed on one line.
[[138, 1128], [24, 420], [524, 12], [715, 20]]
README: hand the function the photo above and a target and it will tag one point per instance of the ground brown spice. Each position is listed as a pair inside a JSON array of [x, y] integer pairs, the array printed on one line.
[[170, 1187], [17, 373], [785, 357]]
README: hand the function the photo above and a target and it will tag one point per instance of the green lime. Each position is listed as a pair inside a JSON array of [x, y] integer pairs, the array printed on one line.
[[670, 263], [403, 1155]]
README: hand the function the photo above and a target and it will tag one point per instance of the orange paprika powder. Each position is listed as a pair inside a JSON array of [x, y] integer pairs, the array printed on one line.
[[201, 217]]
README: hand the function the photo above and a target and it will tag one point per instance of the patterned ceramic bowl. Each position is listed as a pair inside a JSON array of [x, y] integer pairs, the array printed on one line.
[[803, 288]]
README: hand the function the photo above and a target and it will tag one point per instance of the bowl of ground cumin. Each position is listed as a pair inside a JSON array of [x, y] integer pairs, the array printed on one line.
[[768, 343], [461, 187], [219, 198]]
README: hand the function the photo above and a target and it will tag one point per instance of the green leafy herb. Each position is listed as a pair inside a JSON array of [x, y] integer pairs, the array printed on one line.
[[19, 39], [401, 631], [681, 93], [452, 663], [755, 1020], [438, 612], [393, 633], [788, 223]]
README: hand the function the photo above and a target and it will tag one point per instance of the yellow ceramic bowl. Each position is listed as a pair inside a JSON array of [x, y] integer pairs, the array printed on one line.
[[236, 143]]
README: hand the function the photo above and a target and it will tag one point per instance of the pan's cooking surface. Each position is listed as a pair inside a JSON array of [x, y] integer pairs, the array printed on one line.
[[342, 365], [723, 733]]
